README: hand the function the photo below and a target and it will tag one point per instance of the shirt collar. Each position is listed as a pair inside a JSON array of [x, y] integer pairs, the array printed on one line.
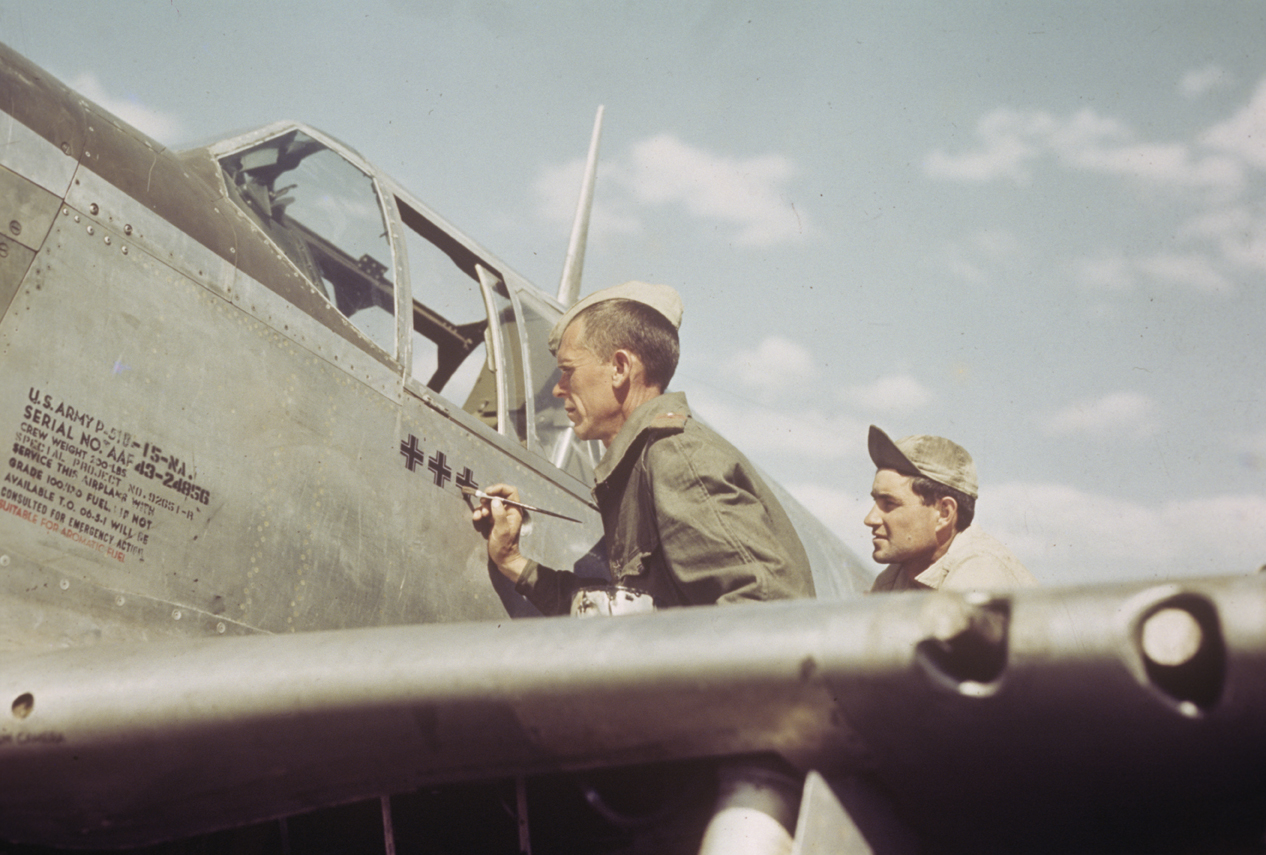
[[935, 575], [663, 412]]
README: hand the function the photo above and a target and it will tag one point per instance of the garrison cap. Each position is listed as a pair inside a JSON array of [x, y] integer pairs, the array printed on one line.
[[932, 457], [662, 298]]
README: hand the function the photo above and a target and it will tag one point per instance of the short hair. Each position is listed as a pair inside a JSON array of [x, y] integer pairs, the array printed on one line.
[[932, 492], [620, 324]]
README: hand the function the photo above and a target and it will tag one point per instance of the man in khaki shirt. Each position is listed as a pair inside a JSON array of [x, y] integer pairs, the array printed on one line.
[[925, 498]]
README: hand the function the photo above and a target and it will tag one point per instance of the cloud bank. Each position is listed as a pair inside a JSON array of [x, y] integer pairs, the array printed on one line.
[[749, 201], [1212, 182], [1059, 529], [1127, 414], [1012, 143]]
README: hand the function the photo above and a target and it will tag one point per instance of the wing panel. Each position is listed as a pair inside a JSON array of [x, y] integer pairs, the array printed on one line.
[[125, 744]]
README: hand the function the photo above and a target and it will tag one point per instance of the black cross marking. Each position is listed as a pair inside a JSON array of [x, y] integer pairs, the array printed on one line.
[[439, 465], [466, 478], [411, 453]]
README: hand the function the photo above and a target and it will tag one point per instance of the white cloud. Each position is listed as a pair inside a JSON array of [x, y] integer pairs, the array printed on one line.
[[776, 363], [1126, 414], [1193, 271], [797, 433], [1162, 164], [1007, 146], [985, 253], [1070, 536], [1238, 234], [1244, 134], [1011, 142], [161, 126], [748, 193], [1109, 273], [749, 198], [1207, 254], [557, 189], [1201, 81], [895, 393]]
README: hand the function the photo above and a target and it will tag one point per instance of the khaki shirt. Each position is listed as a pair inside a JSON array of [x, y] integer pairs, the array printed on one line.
[[974, 561], [686, 519]]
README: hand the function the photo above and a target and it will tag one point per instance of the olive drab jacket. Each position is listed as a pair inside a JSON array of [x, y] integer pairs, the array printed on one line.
[[687, 519]]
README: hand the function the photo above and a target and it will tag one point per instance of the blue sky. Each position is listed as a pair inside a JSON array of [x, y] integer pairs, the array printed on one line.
[[1035, 228]]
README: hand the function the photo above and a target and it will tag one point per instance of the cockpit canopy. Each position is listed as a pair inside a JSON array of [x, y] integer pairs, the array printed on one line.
[[472, 331]]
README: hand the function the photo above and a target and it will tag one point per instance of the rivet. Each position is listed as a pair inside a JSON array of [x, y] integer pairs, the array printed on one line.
[[4, 561], [127, 229], [220, 627], [175, 614], [94, 209], [64, 584], [15, 227], [107, 240], [91, 231], [120, 600], [125, 250]]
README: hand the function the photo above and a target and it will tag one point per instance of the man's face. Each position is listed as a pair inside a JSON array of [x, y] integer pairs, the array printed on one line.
[[902, 527], [586, 388]]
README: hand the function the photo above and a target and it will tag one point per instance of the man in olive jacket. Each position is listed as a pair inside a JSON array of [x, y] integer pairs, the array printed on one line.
[[686, 518]]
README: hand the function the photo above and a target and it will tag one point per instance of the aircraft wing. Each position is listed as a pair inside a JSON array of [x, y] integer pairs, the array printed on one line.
[[986, 721]]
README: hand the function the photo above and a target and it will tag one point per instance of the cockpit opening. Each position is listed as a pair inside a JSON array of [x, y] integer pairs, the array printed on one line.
[[474, 338], [324, 214]]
